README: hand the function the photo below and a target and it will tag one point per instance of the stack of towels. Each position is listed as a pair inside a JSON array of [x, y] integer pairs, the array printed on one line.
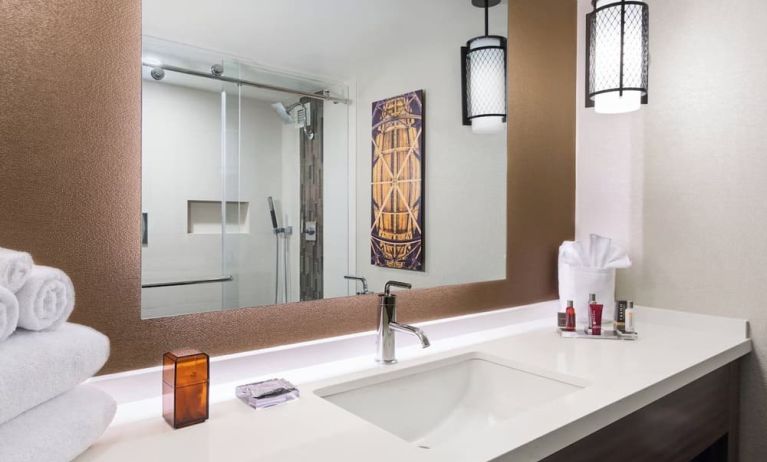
[[45, 412]]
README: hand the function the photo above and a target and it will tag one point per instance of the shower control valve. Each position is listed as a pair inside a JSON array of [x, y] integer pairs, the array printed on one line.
[[310, 230]]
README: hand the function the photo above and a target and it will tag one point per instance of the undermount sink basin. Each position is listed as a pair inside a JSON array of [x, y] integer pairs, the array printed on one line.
[[447, 400]]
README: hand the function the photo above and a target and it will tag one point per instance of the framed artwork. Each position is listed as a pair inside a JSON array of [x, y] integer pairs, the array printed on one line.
[[397, 208]]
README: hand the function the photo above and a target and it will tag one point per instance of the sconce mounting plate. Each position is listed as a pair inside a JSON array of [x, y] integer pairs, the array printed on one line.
[[481, 3]]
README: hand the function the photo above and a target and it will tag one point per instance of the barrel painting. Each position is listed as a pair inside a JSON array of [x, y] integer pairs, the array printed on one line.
[[397, 216]]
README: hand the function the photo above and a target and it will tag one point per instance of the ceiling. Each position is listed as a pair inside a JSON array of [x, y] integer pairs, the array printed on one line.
[[324, 38]]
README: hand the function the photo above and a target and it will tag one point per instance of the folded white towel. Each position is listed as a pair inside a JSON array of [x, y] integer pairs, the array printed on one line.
[[59, 429], [9, 313], [36, 366], [14, 268], [46, 300]]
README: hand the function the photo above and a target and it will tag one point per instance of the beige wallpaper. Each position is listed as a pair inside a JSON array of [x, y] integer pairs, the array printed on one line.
[[70, 158], [683, 181]]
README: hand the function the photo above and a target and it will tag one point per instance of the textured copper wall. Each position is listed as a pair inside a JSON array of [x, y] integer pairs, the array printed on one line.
[[70, 183]]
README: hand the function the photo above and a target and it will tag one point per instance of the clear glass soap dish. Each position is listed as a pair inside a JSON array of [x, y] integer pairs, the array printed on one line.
[[267, 393]]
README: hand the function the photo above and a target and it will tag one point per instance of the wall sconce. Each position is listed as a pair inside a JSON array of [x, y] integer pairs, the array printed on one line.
[[617, 55], [483, 78]]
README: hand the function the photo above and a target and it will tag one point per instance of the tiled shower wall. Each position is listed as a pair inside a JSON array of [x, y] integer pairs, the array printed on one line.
[[310, 272]]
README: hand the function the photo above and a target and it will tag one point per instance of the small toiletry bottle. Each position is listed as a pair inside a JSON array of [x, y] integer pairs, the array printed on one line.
[[596, 318], [569, 317], [619, 321], [595, 315], [629, 319]]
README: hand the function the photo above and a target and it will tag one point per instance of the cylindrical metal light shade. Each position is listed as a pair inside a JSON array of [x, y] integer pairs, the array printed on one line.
[[618, 55], [484, 83]]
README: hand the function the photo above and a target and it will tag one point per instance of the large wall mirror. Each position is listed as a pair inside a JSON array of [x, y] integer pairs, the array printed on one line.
[[288, 145]]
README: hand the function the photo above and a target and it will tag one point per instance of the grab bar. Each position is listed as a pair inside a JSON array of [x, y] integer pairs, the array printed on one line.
[[226, 278]]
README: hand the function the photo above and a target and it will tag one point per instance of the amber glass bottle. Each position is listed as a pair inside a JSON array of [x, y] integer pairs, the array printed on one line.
[[185, 387]]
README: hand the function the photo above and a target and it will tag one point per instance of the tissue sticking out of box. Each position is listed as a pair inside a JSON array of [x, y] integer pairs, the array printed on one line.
[[601, 253]]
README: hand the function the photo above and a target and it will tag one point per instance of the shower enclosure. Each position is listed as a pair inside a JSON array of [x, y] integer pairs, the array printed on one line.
[[237, 176]]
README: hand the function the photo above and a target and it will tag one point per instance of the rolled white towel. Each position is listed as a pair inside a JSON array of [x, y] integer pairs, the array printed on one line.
[[58, 430], [14, 268], [46, 300], [37, 366], [9, 313]]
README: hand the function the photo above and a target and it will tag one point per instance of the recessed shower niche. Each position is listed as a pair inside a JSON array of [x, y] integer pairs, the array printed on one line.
[[205, 217]]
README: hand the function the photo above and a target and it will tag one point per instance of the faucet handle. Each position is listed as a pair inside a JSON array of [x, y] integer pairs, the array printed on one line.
[[390, 284]]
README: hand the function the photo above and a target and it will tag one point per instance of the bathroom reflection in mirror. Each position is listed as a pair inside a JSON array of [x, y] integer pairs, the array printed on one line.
[[257, 157]]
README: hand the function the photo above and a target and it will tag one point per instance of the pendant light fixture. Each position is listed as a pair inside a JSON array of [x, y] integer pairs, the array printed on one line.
[[483, 78], [617, 55]]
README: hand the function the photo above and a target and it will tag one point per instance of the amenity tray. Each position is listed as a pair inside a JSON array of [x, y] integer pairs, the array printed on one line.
[[607, 334]]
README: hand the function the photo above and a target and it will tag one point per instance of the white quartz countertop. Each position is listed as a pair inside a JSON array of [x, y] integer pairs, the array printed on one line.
[[618, 377]]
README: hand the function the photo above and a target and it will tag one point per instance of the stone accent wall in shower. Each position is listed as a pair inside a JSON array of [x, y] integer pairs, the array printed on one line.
[[311, 257]]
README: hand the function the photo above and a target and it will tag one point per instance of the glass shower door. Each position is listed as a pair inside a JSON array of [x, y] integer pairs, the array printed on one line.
[[189, 194]]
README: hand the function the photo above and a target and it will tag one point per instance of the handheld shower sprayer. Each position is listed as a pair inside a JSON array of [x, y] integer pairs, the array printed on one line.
[[278, 230], [280, 234], [272, 213]]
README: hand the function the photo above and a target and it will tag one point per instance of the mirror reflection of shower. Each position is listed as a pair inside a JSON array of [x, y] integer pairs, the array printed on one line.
[[280, 234], [222, 139]]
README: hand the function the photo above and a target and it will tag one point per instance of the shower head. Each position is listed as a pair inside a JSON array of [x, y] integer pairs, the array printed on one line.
[[296, 114], [283, 112]]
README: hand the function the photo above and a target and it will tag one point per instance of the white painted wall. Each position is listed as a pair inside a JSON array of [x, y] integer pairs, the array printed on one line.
[[684, 181], [336, 200], [465, 182]]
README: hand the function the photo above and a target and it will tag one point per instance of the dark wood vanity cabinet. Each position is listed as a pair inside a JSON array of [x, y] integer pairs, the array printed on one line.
[[698, 422]]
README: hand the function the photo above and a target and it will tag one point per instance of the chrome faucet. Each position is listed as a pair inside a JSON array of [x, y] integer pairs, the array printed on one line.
[[387, 325], [364, 282]]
